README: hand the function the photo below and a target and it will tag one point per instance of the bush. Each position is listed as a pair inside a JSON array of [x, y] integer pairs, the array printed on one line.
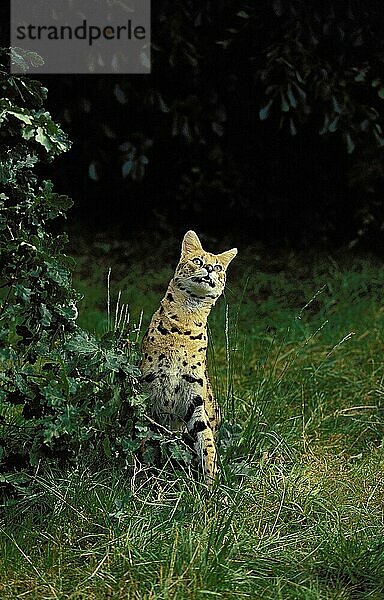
[[269, 114], [62, 391]]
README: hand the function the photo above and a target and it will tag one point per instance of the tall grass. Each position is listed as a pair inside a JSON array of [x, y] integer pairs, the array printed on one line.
[[298, 512]]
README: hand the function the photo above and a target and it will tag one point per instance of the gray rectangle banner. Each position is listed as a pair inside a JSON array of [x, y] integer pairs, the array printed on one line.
[[83, 36]]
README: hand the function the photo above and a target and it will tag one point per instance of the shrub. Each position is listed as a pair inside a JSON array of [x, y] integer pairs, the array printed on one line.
[[62, 391]]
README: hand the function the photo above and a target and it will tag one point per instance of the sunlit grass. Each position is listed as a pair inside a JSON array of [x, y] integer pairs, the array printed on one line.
[[298, 512]]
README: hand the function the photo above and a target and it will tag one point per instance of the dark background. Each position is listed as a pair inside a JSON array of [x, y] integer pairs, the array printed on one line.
[[261, 120]]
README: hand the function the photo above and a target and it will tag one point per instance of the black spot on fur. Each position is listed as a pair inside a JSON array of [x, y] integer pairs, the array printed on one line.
[[195, 402], [161, 356], [198, 426], [177, 389], [175, 330], [170, 297], [149, 378], [197, 337], [192, 379], [162, 329], [175, 317], [184, 363]]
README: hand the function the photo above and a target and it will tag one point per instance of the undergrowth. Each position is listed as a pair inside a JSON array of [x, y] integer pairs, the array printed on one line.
[[298, 510]]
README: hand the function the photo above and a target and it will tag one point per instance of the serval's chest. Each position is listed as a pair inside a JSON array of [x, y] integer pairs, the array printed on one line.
[[174, 363]]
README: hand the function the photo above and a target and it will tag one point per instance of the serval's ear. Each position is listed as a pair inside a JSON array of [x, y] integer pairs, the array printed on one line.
[[191, 244], [226, 257]]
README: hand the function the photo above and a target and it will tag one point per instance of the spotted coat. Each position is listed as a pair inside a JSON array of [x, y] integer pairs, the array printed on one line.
[[174, 350]]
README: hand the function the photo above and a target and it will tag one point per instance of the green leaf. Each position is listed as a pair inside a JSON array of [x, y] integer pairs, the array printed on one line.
[[379, 138], [56, 273], [224, 43], [129, 446], [82, 343], [28, 132], [53, 394], [114, 361], [144, 60], [336, 106], [284, 103], [92, 172], [333, 125], [127, 167], [361, 75], [45, 315], [22, 385], [43, 139], [264, 112], [70, 313], [22, 116], [23, 293], [291, 97], [350, 143], [35, 59]]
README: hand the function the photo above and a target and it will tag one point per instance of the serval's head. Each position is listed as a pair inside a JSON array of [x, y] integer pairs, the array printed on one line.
[[199, 273]]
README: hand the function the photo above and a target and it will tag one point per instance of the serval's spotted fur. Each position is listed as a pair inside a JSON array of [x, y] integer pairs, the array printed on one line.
[[174, 352]]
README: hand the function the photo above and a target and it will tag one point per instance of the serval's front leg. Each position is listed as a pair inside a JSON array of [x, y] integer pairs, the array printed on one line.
[[200, 429]]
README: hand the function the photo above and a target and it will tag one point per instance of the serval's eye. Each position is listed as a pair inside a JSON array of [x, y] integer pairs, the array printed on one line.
[[197, 261], [218, 268]]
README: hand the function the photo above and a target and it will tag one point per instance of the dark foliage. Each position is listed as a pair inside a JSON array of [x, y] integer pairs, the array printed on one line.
[[269, 114], [63, 393]]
